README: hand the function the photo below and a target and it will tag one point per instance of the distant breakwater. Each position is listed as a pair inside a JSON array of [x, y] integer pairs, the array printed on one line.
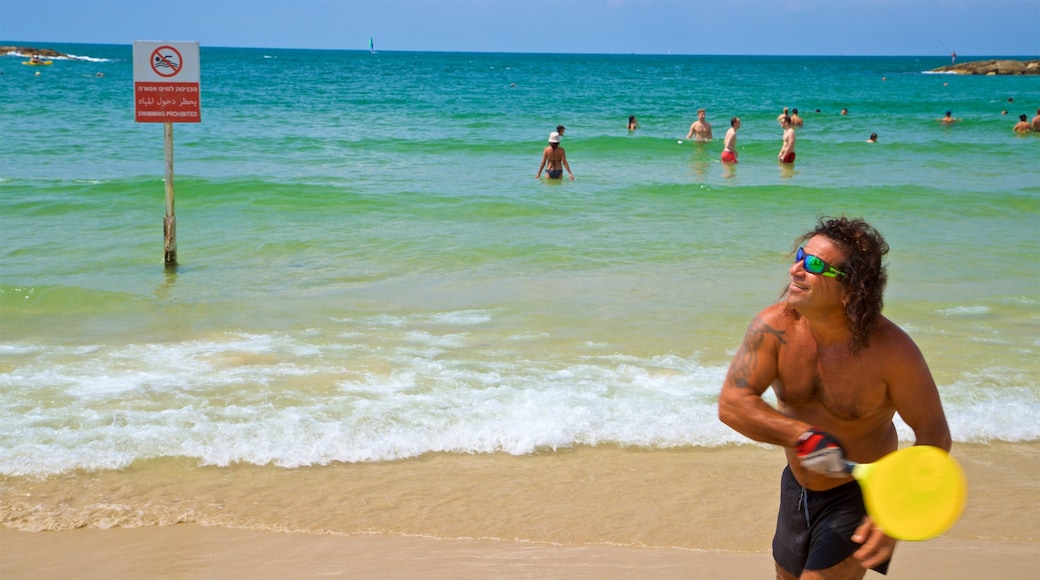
[[29, 51], [994, 67]]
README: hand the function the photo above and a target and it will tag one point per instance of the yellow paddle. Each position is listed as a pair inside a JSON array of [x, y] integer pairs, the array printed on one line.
[[915, 493]]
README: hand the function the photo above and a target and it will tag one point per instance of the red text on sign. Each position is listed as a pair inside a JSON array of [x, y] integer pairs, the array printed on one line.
[[160, 102]]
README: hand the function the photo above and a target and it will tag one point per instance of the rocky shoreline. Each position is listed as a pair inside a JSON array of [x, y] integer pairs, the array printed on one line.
[[993, 67], [28, 51]]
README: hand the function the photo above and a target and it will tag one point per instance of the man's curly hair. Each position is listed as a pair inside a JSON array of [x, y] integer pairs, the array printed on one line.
[[865, 276]]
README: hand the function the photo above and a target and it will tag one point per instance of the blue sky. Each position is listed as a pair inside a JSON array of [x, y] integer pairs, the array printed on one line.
[[786, 27]]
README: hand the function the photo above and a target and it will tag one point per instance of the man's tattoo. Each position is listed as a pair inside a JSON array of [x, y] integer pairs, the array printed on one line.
[[747, 356]]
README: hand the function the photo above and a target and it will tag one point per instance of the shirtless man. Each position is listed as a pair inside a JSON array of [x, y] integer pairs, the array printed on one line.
[[1036, 121], [787, 150], [796, 121], [700, 127], [729, 144], [553, 157], [948, 119], [840, 371], [1023, 126]]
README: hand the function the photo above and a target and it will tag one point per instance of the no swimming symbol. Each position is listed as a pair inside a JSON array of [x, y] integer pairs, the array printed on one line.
[[166, 61]]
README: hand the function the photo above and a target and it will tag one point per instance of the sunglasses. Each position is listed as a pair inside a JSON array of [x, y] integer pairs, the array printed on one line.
[[814, 265]]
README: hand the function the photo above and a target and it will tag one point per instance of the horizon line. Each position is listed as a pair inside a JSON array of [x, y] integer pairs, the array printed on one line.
[[34, 44]]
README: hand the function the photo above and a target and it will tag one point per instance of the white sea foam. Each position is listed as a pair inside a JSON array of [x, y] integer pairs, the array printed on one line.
[[298, 399], [20, 54], [463, 317], [88, 58], [966, 311]]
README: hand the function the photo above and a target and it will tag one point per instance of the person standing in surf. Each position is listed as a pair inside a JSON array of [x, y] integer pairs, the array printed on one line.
[[796, 121], [729, 143], [701, 127], [554, 159], [787, 150], [1023, 125]]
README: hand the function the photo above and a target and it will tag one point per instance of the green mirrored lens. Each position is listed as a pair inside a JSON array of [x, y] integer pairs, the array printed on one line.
[[813, 264]]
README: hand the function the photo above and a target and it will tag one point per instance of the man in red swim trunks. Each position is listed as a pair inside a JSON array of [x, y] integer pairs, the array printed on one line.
[[729, 144], [787, 151]]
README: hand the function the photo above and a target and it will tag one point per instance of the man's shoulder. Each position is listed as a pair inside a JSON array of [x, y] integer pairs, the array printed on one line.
[[774, 321], [889, 338], [778, 315], [887, 328]]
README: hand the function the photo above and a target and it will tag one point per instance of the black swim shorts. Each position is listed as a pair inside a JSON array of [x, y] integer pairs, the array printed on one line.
[[814, 528]]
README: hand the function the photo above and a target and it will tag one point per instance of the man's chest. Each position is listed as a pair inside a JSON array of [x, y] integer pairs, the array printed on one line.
[[847, 386]]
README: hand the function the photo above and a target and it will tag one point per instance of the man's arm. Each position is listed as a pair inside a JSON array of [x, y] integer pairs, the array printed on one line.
[[690, 134], [916, 399], [913, 391], [753, 369]]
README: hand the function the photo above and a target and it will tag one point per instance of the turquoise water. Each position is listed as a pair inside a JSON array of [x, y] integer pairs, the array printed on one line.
[[369, 270]]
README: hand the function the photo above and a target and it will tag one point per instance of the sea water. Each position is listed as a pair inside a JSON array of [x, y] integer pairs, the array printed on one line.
[[369, 270]]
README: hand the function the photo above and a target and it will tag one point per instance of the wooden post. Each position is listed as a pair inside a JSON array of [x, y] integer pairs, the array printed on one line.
[[170, 221]]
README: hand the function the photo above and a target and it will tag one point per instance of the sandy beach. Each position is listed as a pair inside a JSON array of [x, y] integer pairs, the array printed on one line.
[[199, 552], [581, 513]]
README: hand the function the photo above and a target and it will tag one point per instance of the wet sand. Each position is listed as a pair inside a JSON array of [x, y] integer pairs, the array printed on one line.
[[191, 551], [584, 513]]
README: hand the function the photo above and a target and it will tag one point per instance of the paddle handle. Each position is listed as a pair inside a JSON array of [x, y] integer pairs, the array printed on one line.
[[860, 471]]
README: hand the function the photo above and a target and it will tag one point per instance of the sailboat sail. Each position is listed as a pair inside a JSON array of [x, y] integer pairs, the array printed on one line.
[[371, 45]]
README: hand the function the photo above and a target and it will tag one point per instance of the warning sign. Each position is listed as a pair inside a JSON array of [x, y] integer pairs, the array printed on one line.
[[166, 61], [166, 82]]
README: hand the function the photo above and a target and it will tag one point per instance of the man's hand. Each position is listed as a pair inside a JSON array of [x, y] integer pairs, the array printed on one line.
[[820, 452], [877, 547]]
